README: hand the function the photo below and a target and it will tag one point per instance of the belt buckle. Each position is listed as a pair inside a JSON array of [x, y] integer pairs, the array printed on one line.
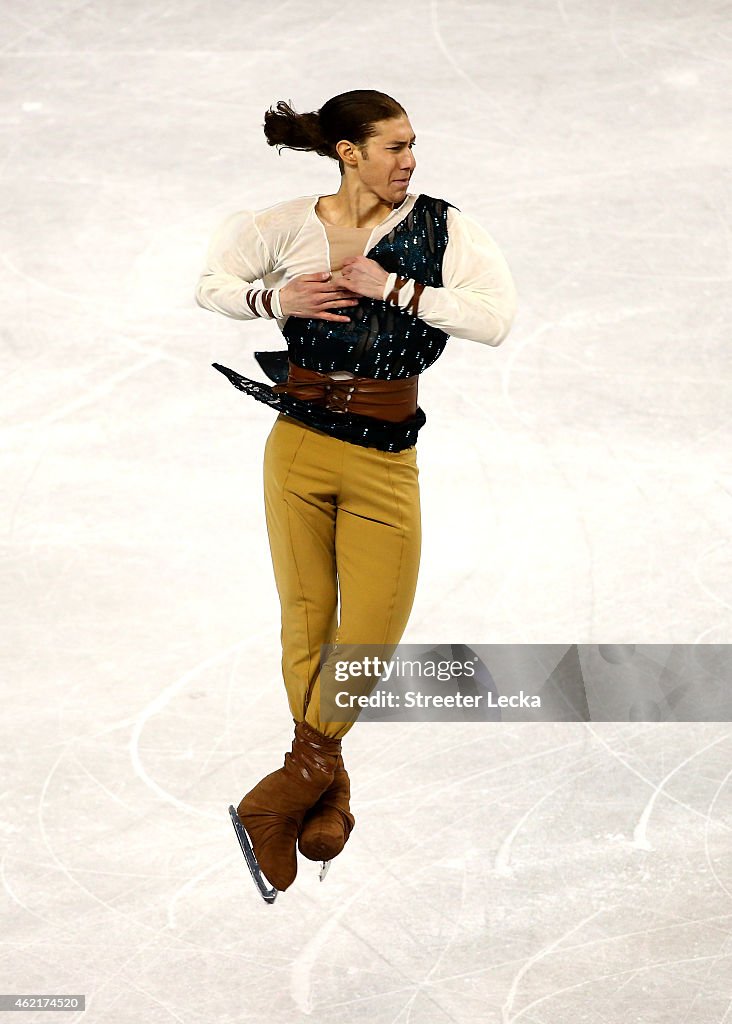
[[335, 398]]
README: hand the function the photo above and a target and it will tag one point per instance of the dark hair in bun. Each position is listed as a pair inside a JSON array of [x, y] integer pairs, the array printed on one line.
[[351, 115]]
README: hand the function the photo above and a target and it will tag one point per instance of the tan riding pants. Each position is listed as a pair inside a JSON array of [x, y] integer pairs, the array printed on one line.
[[339, 516]]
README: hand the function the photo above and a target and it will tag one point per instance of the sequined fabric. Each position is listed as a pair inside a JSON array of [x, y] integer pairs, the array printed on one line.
[[363, 430], [381, 341]]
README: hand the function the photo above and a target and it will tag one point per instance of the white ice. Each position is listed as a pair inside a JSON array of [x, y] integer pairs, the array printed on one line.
[[576, 488]]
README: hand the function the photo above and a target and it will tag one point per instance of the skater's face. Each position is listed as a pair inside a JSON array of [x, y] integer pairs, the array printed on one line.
[[386, 163]]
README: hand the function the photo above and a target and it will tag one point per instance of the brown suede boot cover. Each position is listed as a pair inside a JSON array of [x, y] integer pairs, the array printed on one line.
[[273, 811], [327, 826]]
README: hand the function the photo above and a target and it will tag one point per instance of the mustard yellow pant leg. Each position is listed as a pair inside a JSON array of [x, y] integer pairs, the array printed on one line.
[[299, 496], [338, 515], [378, 542]]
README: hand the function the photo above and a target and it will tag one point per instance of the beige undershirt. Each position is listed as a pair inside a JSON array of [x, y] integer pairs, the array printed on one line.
[[343, 242]]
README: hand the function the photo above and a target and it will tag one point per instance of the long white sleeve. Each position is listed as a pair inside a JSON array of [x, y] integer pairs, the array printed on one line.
[[238, 256], [478, 297]]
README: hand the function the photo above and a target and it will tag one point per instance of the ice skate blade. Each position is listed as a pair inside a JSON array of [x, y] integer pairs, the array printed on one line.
[[269, 895], [324, 868]]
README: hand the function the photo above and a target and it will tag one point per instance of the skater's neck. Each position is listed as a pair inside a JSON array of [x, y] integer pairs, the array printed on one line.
[[354, 207]]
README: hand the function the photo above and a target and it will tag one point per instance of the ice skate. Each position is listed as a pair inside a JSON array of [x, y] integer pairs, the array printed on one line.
[[269, 895], [273, 811], [327, 826]]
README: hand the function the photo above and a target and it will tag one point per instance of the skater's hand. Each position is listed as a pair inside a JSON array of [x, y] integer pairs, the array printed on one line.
[[311, 295], [364, 276]]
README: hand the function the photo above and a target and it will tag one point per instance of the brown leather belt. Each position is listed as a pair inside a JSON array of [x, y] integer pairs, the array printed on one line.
[[342, 391]]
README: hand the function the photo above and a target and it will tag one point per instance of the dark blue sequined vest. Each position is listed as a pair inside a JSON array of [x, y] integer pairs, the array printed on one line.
[[380, 341]]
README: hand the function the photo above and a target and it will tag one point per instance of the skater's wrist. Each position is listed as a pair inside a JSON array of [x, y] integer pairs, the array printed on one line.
[[388, 287]]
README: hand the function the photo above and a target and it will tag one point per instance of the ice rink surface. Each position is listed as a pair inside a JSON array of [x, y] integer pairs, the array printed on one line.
[[576, 488]]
